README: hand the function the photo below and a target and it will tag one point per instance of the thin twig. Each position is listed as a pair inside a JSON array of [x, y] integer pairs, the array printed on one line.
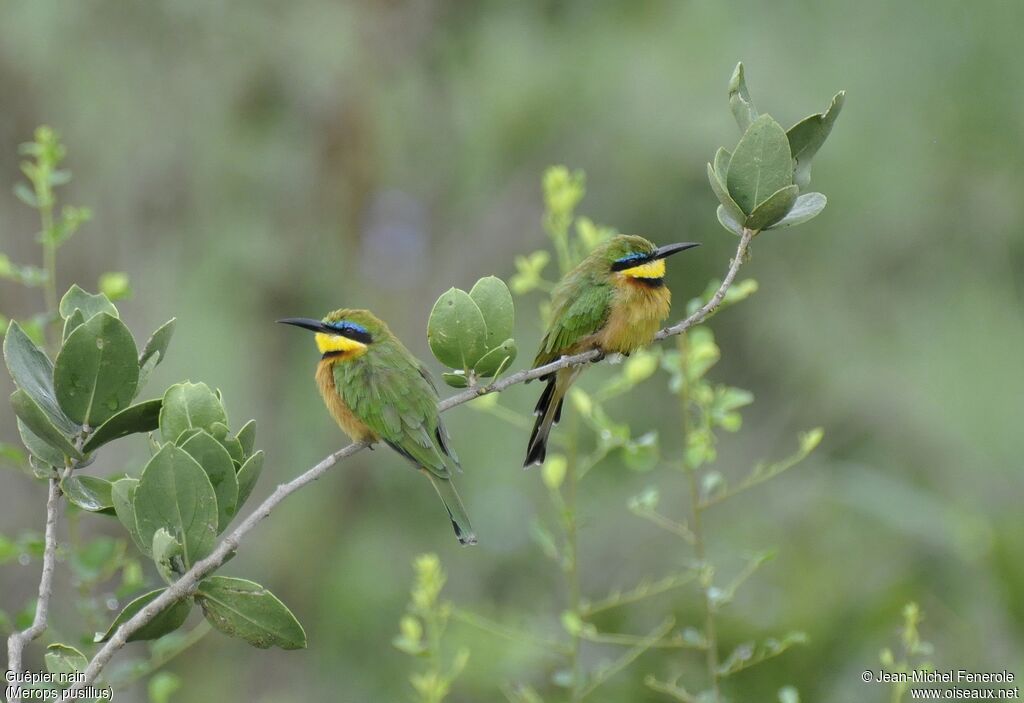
[[187, 584], [16, 642]]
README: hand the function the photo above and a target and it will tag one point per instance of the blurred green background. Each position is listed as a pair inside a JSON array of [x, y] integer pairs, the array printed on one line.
[[248, 161]]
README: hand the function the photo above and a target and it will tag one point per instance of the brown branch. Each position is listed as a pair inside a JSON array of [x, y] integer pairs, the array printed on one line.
[[17, 642], [187, 584]]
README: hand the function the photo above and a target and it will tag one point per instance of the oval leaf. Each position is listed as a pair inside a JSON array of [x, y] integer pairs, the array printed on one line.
[[96, 372], [247, 477], [166, 555], [496, 360], [806, 207], [174, 493], [122, 495], [456, 331], [33, 373], [723, 195], [156, 347], [761, 164], [739, 99], [722, 158], [72, 323], [247, 437], [167, 620], [727, 221], [187, 406], [29, 412], [807, 136], [89, 304], [219, 468], [493, 298], [244, 609], [141, 417], [456, 380], [39, 448], [773, 209], [62, 659], [89, 493]]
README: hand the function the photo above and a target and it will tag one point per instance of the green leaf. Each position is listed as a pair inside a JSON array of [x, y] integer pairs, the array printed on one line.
[[62, 659], [247, 437], [496, 360], [38, 447], [806, 207], [739, 99], [96, 372], [721, 164], [247, 477], [89, 493], [162, 686], [166, 621], [156, 347], [141, 417], [456, 379], [175, 493], [146, 370], [187, 406], [33, 373], [723, 195], [807, 136], [89, 304], [244, 609], [29, 412], [216, 462], [493, 298], [72, 323], [115, 285], [727, 221], [122, 495], [165, 550], [773, 209], [456, 331], [760, 165], [642, 453]]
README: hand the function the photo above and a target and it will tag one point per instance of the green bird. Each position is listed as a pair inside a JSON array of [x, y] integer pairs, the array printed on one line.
[[376, 390], [614, 300]]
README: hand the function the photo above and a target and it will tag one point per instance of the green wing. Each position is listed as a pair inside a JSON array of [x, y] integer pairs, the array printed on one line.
[[580, 307], [388, 390]]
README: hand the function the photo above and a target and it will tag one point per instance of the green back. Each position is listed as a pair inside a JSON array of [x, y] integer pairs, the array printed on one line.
[[579, 307], [389, 390]]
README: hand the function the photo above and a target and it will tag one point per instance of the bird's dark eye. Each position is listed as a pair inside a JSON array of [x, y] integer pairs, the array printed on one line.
[[629, 261]]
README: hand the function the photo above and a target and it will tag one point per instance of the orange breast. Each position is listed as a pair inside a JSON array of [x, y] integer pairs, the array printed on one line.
[[637, 313], [352, 425]]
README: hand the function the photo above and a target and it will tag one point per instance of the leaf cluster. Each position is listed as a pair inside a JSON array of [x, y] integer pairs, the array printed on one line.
[[763, 183]]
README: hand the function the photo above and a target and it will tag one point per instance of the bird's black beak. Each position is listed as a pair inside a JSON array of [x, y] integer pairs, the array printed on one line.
[[304, 322], [670, 249]]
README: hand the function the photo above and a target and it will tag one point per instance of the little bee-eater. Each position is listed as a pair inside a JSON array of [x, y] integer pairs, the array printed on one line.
[[377, 390], [614, 300]]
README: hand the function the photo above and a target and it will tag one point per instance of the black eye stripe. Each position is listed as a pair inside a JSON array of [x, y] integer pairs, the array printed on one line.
[[629, 261], [351, 330]]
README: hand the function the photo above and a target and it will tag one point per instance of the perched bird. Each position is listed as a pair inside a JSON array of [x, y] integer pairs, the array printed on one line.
[[614, 300], [377, 390]]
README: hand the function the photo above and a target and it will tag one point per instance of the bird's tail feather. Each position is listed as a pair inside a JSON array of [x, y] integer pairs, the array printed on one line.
[[548, 412], [456, 510]]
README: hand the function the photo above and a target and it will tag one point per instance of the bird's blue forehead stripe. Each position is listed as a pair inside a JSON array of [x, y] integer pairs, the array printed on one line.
[[342, 325], [632, 257]]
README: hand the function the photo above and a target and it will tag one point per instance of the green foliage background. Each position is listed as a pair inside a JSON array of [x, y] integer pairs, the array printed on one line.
[[248, 162]]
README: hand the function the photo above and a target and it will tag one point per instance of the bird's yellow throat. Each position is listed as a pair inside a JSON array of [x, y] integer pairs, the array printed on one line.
[[336, 343], [652, 269]]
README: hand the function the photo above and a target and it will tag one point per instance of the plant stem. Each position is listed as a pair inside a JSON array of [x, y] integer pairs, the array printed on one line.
[[697, 529], [572, 573], [195, 635], [17, 641]]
